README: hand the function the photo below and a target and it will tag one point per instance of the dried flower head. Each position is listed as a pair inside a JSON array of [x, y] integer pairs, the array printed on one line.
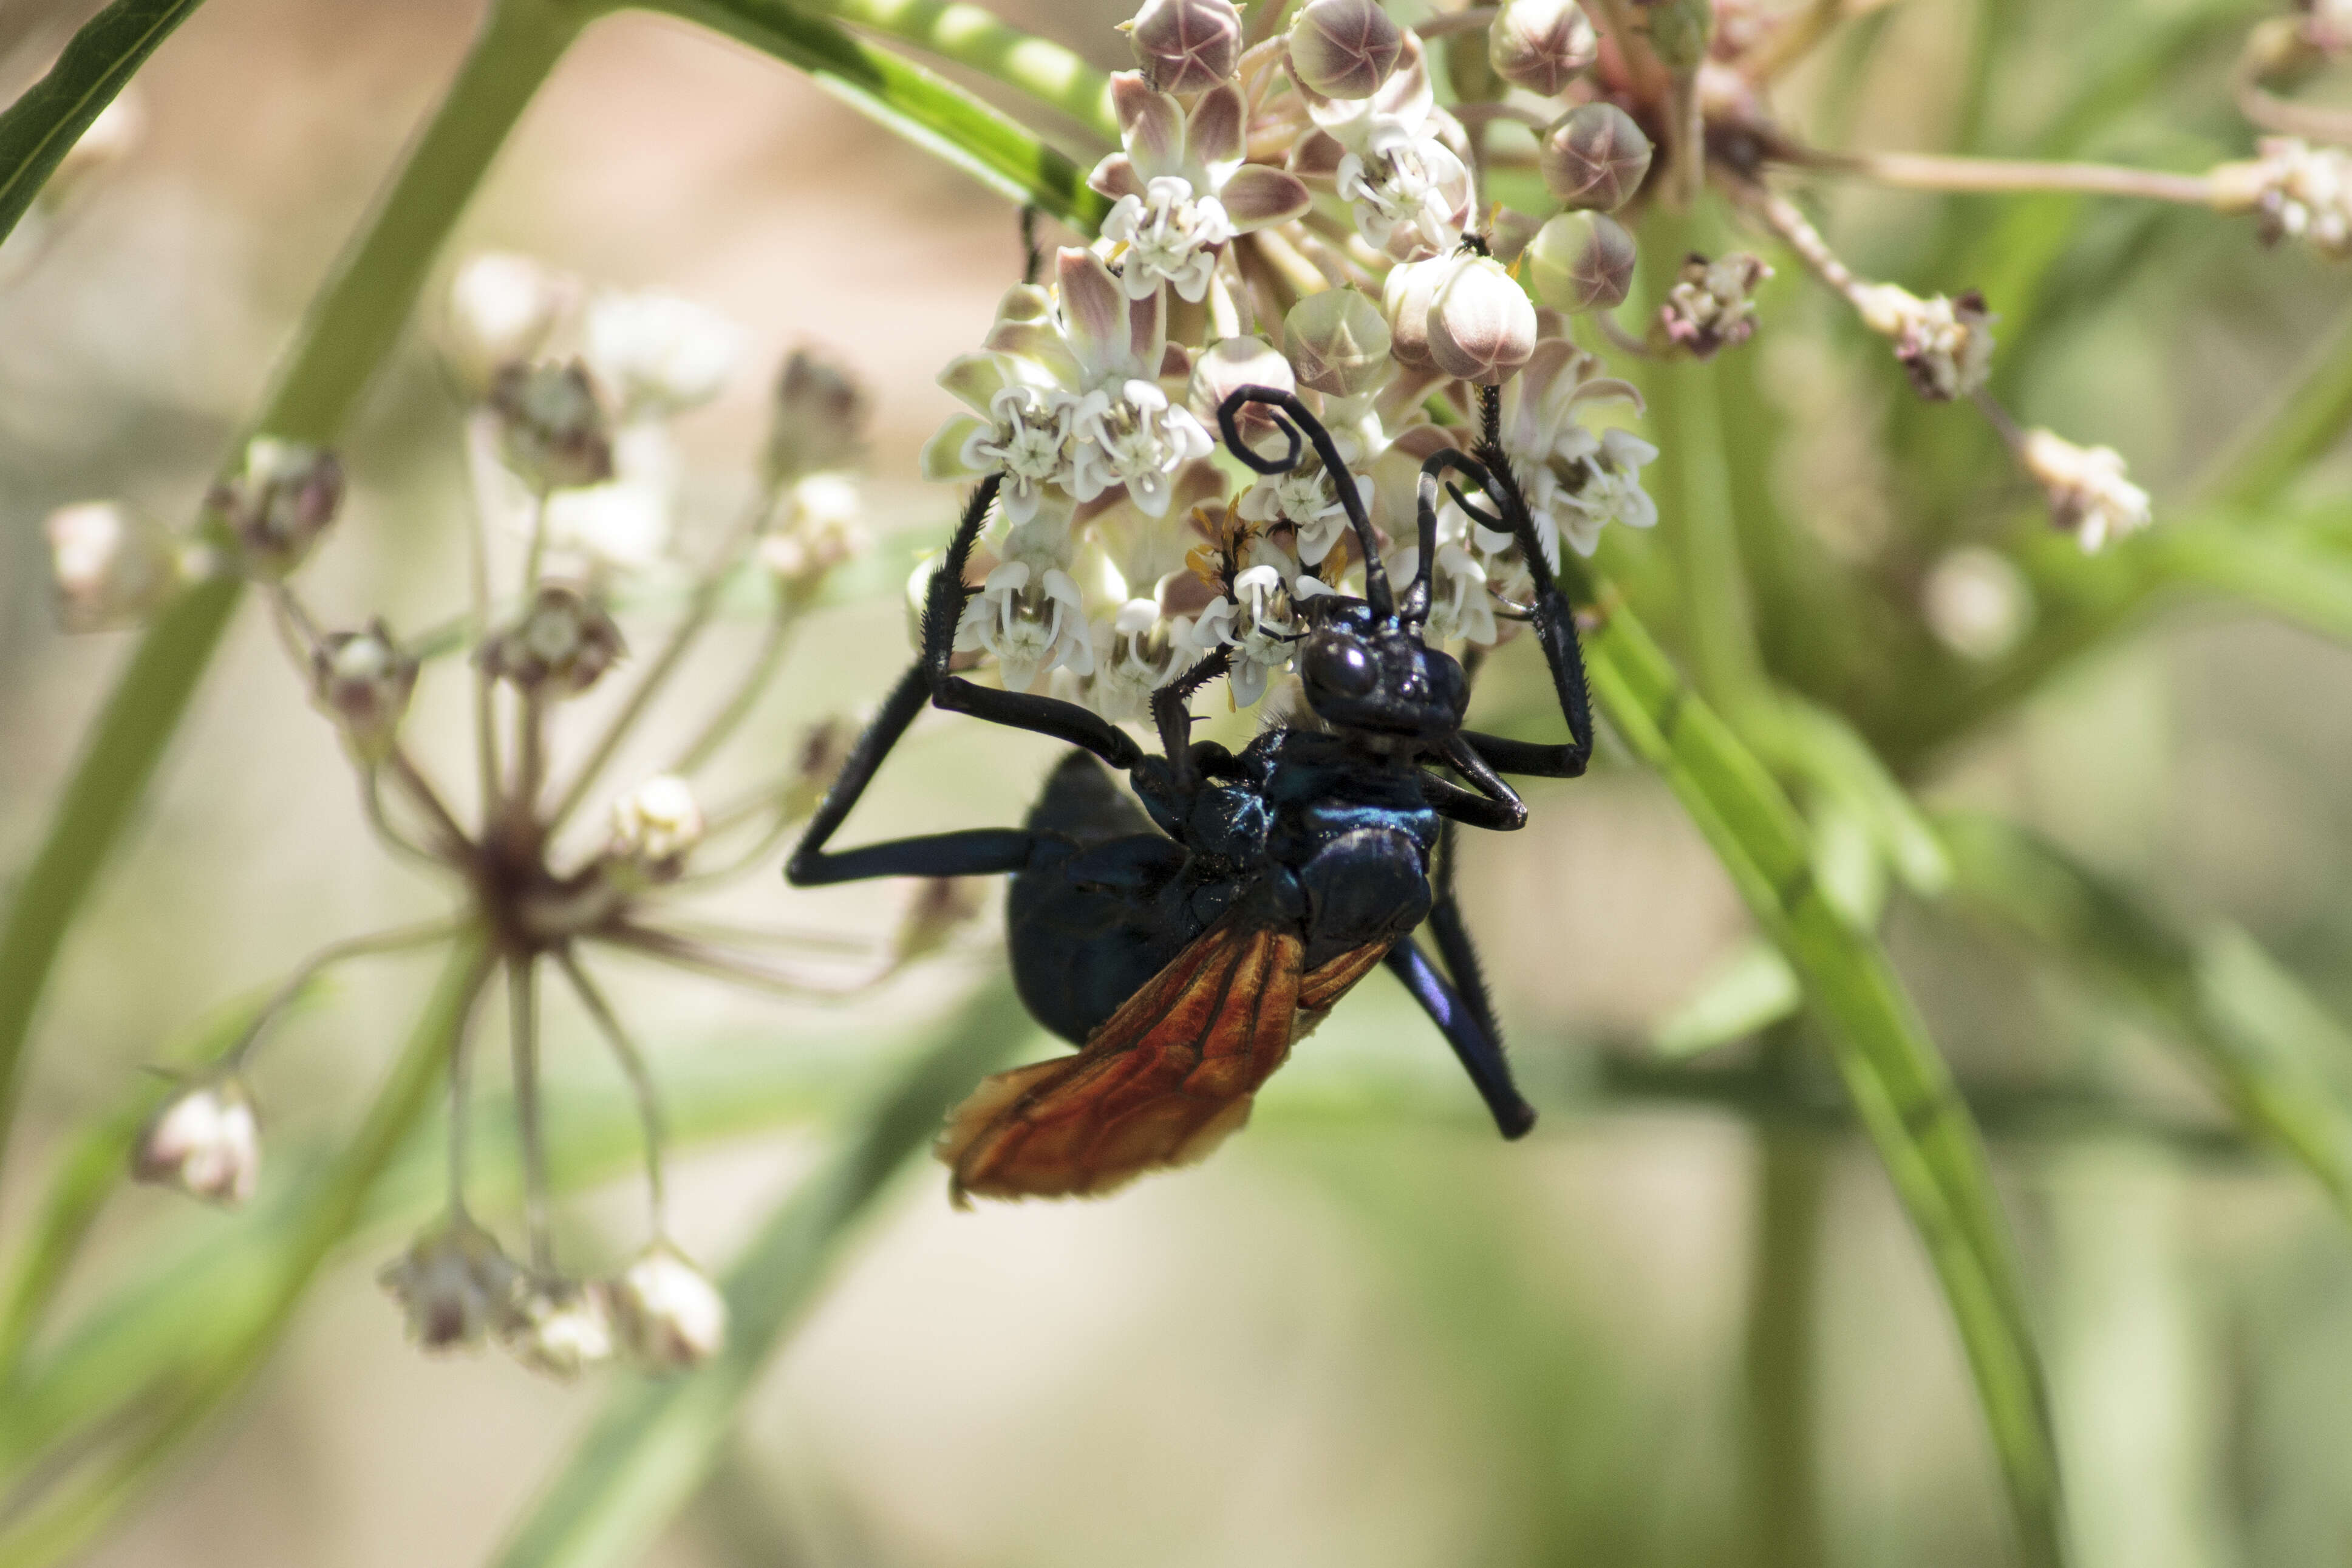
[[1944, 343], [279, 503], [555, 432], [110, 564], [668, 1313], [564, 642], [2089, 496], [455, 1284], [204, 1140], [1712, 305]]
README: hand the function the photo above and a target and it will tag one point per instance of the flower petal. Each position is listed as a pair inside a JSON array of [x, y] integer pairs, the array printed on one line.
[[1150, 126], [1217, 131], [1257, 196], [1115, 177], [1094, 313], [943, 453], [1316, 155], [974, 378]]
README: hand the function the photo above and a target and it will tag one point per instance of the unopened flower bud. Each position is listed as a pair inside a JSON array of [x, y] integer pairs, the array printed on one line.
[[660, 355], [1594, 157], [1712, 305], [555, 432], [655, 825], [363, 680], [1977, 603], [1230, 364], [1186, 45], [2295, 191], [1581, 261], [563, 642], [205, 1140], [2089, 496], [1946, 344], [1405, 298], [561, 1327], [1510, 233], [937, 908], [1541, 45], [109, 564], [455, 1284], [1344, 49], [819, 418], [1338, 342], [819, 525], [669, 1314], [1482, 325], [280, 503], [501, 309]]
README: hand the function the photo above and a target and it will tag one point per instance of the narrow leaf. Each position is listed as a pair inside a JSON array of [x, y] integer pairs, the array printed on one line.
[[1746, 992]]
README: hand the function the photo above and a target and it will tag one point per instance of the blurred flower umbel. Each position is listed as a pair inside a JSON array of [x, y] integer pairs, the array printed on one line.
[[543, 629]]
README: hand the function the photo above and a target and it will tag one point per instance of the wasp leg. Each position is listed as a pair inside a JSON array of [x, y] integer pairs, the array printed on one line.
[[1479, 1050], [1494, 805]]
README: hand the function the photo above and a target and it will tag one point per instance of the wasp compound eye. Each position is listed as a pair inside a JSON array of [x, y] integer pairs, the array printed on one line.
[[1340, 666]]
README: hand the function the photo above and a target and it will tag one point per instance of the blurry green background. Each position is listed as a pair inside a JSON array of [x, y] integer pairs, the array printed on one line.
[[1368, 1333]]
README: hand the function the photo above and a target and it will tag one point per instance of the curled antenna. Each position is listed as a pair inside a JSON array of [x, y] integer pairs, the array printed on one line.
[[1476, 473], [1376, 583]]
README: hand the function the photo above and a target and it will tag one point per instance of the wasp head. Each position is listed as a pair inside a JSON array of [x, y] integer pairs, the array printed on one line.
[[1370, 675]]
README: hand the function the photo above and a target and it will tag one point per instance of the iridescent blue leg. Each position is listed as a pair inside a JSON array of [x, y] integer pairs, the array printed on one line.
[[1462, 1010]]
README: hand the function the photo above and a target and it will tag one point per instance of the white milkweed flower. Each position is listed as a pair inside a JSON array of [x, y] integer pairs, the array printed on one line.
[[502, 308], [658, 824], [1460, 607], [820, 523], [205, 1140], [625, 524], [669, 1314], [560, 1327], [1258, 622], [1394, 157], [1944, 343], [1180, 190], [110, 564], [2089, 495], [1305, 497], [1575, 482], [659, 354], [455, 1284], [1029, 613], [1135, 655], [1021, 431]]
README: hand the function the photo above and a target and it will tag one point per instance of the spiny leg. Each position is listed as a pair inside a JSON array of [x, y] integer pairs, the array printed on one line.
[[1474, 1045]]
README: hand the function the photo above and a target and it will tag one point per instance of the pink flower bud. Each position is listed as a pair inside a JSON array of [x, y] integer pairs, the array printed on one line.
[[1594, 156], [1581, 261], [1344, 49], [1187, 45], [205, 1140], [669, 1314], [1482, 325], [1338, 342], [1541, 45]]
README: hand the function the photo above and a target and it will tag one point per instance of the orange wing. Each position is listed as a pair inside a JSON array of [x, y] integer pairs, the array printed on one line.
[[1162, 1082]]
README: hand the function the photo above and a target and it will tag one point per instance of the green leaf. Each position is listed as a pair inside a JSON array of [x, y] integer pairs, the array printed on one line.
[[40, 128], [1818, 746], [2253, 1029], [976, 38], [1745, 993], [926, 109], [2304, 418], [656, 1440], [1901, 1089], [226, 1348]]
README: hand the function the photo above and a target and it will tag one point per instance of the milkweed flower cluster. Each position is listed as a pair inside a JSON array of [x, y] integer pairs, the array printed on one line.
[[1297, 215], [580, 528]]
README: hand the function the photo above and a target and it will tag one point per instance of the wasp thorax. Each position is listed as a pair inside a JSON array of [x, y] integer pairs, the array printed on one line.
[[554, 429], [279, 504], [1581, 261], [1344, 49], [562, 644], [363, 680], [1541, 45], [1187, 45]]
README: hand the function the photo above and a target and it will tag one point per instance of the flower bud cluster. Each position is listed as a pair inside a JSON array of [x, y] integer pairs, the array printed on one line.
[[2295, 191], [1944, 343], [1712, 305]]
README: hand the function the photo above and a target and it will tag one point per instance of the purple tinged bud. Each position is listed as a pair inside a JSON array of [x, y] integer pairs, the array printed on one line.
[[556, 435], [1344, 49], [1581, 261], [1594, 157], [1482, 325], [1406, 297], [453, 1284], [562, 644], [1338, 342], [1187, 45], [280, 503], [205, 1140], [363, 680], [1541, 45]]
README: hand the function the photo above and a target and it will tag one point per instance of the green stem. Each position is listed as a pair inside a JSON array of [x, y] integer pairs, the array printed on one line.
[[166, 1414], [1783, 1496], [977, 38], [347, 334]]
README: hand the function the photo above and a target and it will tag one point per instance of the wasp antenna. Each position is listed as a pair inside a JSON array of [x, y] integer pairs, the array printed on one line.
[[1300, 420]]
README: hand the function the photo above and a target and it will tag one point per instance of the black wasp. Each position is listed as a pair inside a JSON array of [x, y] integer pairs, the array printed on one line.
[[1186, 942]]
